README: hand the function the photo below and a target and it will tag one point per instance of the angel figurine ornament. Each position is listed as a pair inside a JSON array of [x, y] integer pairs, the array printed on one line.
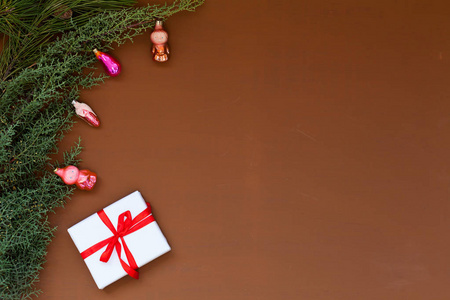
[[159, 38]]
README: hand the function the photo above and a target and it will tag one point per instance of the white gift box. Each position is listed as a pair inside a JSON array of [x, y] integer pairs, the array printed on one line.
[[145, 244]]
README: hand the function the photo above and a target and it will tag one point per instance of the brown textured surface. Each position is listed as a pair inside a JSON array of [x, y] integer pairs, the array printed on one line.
[[290, 150]]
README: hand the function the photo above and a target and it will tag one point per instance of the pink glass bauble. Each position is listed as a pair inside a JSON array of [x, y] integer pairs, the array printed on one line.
[[68, 174], [83, 179], [111, 65], [86, 113], [159, 38]]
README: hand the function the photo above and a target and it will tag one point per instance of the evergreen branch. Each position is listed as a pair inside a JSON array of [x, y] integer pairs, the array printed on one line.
[[30, 25], [120, 29], [35, 113]]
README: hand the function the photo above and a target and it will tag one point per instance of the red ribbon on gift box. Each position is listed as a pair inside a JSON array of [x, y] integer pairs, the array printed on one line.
[[125, 226]]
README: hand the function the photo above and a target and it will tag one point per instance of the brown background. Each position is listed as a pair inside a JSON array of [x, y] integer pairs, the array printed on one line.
[[290, 150]]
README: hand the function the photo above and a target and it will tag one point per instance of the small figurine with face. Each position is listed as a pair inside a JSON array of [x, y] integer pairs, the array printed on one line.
[[159, 38]]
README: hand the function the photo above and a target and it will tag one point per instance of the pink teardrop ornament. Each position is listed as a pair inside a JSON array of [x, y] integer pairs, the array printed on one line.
[[83, 179], [86, 113], [111, 65]]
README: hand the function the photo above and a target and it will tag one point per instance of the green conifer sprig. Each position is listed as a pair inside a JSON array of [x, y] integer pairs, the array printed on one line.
[[28, 25], [35, 112]]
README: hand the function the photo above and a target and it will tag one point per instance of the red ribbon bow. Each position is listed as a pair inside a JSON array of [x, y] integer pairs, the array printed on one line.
[[125, 226]]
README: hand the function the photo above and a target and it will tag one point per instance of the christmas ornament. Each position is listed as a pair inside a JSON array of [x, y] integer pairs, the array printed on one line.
[[111, 65], [86, 113], [83, 179], [159, 38]]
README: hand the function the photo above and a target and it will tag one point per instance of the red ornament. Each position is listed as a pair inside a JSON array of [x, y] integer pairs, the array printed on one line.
[[86, 113], [111, 65], [83, 179], [159, 38]]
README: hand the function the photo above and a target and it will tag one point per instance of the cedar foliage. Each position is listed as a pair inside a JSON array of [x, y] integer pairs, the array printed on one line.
[[35, 112], [28, 25]]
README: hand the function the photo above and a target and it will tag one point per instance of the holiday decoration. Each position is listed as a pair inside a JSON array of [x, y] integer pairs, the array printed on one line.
[[38, 74], [86, 113], [136, 232], [83, 179], [112, 66], [159, 38]]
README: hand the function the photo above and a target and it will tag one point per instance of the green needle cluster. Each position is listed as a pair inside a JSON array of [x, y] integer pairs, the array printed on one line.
[[29, 25]]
